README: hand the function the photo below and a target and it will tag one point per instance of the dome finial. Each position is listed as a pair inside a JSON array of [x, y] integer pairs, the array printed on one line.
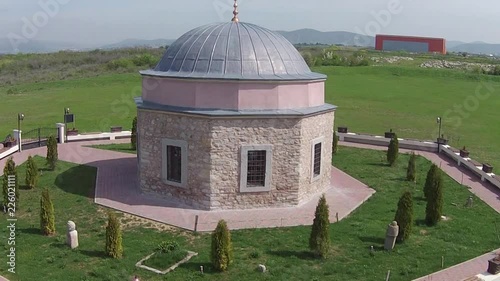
[[235, 12]]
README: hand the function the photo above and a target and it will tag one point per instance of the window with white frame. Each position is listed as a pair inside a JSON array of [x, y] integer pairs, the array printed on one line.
[[256, 170], [316, 157], [174, 162]]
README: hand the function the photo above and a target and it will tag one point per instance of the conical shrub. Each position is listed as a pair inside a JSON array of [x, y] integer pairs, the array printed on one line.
[[222, 249], [335, 143], [10, 182], [32, 173], [52, 155], [113, 237], [319, 241], [430, 180], [435, 201], [393, 150], [133, 137], [404, 216], [411, 173], [47, 220]]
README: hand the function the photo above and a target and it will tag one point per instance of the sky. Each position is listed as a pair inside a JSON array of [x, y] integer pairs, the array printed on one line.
[[95, 22]]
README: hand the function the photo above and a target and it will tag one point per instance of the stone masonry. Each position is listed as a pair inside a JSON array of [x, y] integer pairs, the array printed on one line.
[[214, 152]]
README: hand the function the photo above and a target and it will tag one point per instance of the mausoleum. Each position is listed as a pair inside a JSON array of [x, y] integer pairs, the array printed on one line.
[[233, 118]]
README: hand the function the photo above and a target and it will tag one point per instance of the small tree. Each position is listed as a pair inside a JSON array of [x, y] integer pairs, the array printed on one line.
[[52, 152], [133, 137], [10, 172], [393, 150], [47, 224], [434, 208], [319, 241], [222, 249], [32, 173], [335, 143], [430, 180], [113, 237], [411, 174], [404, 216]]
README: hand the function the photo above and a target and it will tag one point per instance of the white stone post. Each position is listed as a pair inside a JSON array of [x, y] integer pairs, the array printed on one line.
[[61, 132], [17, 134]]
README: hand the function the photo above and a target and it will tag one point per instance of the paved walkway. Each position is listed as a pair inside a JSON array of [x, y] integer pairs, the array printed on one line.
[[484, 190]]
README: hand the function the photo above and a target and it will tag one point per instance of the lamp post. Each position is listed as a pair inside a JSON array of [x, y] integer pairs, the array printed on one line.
[[20, 117], [66, 112], [440, 122]]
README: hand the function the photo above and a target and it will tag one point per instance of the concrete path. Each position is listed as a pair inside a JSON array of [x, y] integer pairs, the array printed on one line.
[[484, 190]]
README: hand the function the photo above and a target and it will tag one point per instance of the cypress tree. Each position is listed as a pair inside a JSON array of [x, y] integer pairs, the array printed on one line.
[[222, 249], [335, 143], [430, 180], [319, 241], [411, 171], [133, 137], [404, 216], [434, 208], [32, 173], [393, 150], [113, 237], [10, 169], [47, 224], [52, 152]]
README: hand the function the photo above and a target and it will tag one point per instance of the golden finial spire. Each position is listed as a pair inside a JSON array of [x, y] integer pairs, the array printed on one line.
[[235, 12]]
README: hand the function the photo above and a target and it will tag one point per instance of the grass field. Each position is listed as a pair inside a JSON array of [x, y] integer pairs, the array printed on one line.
[[122, 147], [468, 233], [370, 99]]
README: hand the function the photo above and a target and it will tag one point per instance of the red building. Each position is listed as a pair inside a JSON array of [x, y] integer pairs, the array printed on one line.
[[410, 44]]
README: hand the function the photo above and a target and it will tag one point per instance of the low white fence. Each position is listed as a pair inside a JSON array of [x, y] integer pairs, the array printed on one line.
[[9, 152], [100, 136], [468, 163]]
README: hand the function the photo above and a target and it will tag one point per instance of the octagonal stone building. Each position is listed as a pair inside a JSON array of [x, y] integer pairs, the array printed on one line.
[[233, 118]]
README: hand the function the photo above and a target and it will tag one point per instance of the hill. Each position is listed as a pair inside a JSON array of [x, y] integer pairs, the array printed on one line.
[[312, 36], [133, 43], [477, 48]]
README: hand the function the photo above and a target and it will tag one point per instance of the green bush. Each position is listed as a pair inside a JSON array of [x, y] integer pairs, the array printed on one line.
[[335, 143], [222, 249], [145, 60], [52, 155], [32, 173], [435, 200], [319, 241], [119, 63], [430, 180], [393, 150], [133, 137], [411, 173], [10, 170], [404, 216], [113, 237], [47, 220], [167, 246]]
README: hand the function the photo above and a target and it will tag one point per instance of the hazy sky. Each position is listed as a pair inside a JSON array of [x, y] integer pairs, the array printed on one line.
[[109, 21]]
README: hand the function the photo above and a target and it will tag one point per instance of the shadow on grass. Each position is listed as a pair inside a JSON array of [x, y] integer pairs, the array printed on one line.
[[304, 255], [30, 230], [93, 253], [380, 164], [59, 245], [375, 241], [72, 180], [195, 267]]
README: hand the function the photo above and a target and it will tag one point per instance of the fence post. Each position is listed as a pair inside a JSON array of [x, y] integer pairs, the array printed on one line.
[[39, 138], [61, 132], [388, 275], [196, 223]]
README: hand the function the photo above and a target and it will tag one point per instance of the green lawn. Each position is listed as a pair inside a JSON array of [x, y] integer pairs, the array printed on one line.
[[469, 232], [120, 147], [408, 100]]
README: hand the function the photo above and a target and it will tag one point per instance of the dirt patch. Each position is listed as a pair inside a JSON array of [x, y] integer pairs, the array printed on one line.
[[131, 221]]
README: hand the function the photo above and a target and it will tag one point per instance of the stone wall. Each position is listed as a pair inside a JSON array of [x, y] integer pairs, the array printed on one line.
[[227, 138], [313, 128], [155, 126], [214, 152]]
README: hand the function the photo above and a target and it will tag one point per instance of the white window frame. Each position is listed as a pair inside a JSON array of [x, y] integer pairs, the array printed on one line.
[[244, 168], [184, 161], [314, 142]]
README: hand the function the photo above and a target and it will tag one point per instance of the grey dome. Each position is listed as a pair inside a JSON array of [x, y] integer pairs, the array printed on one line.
[[231, 50]]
